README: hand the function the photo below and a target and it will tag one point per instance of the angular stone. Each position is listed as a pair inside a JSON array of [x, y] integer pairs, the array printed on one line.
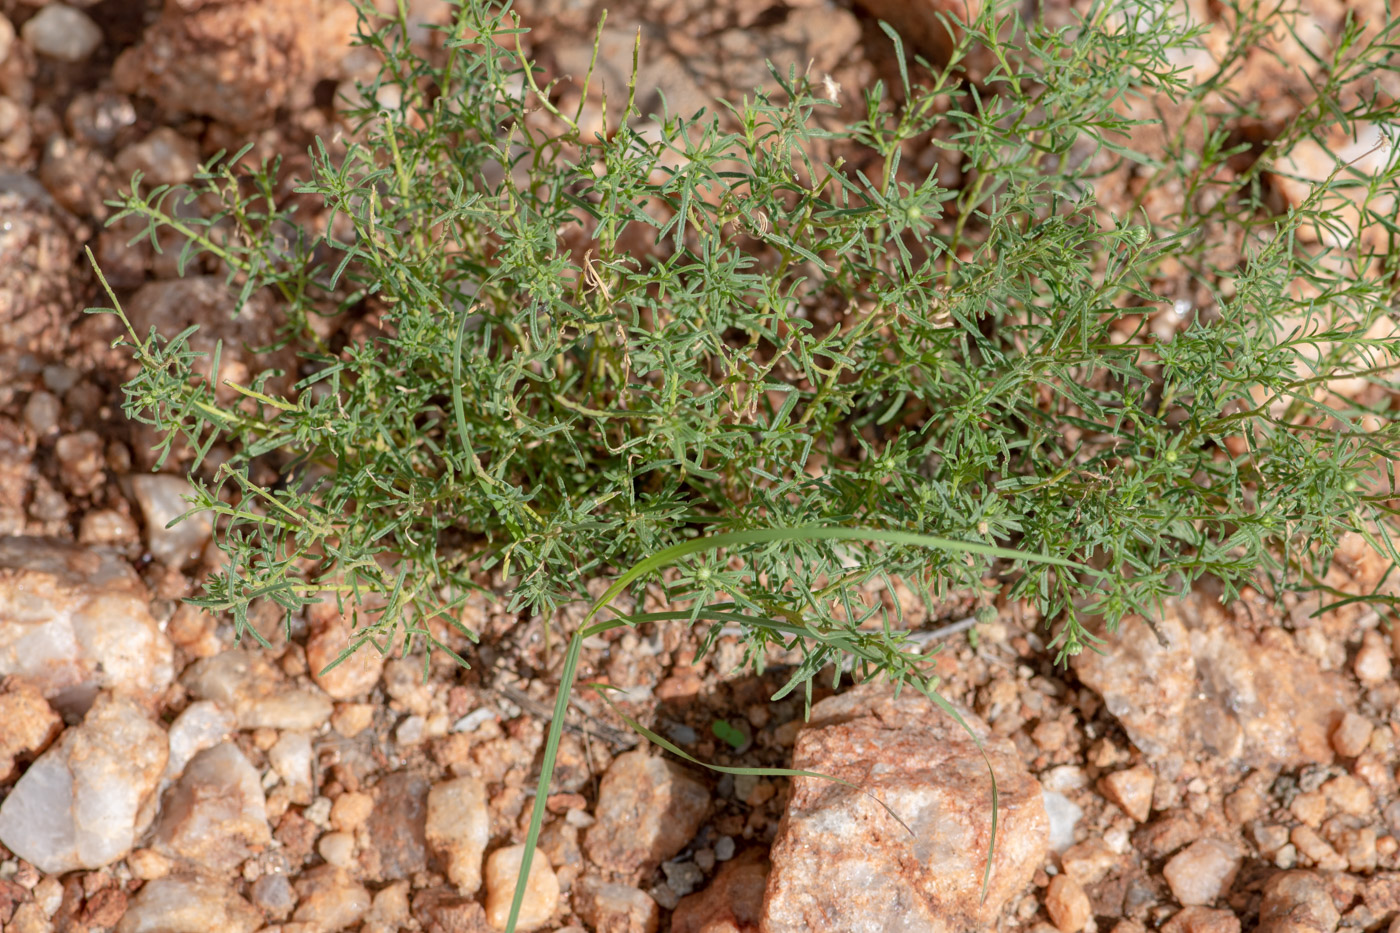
[[331, 900], [648, 810], [235, 62], [615, 907], [1297, 902], [1215, 691], [1202, 920], [1067, 904], [162, 500], [188, 904], [541, 889], [84, 802], [1131, 790], [203, 724], [397, 828], [440, 910], [1352, 735], [841, 862], [1202, 872], [216, 816], [30, 724], [74, 621], [732, 903], [248, 684], [458, 828], [292, 758]]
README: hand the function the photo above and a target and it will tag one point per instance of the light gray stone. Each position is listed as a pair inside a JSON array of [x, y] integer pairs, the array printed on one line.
[[84, 802]]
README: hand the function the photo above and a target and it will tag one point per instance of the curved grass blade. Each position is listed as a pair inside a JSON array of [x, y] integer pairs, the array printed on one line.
[[671, 554]]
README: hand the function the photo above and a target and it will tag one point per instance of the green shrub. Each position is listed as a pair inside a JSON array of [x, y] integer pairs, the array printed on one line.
[[589, 350]]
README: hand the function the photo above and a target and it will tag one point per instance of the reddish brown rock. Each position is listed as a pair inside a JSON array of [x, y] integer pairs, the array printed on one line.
[[732, 903], [397, 828], [30, 724], [1131, 790], [441, 910], [1202, 872], [617, 908], [1202, 920], [236, 61], [1297, 902], [648, 809], [841, 862], [328, 637], [1067, 904], [41, 278]]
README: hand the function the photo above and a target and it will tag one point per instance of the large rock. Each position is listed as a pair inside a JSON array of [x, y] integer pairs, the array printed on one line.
[[216, 816], [84, 802], [75, 621], [41, 276], [328, 636], [236, 60], [397, 828], [188, 904], [841, 862], [249, 685], [1215, 691], [1297, 902], [648, 810]]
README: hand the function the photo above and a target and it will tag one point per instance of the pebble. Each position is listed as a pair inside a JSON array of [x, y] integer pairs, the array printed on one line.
[[216, 815], [255, 691], [1352, 735], [162, 499], [148, 864], [106, 528], [274, 896], [42, 409], [1372, 664], [1131, 790], [291, 757], [1349, 794], [202, 724], [648, 810], [724, 848], [1064, 815], [188, 904], [1067, 904], [350, 719], [337, 848], [1202, 920], [396, 827], [458, 829], [164, 157], [620, 907], [541, 889], [330, 899], [81, 803], [1297, 902], [61, 32], [350, 810], [1202, 872]]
